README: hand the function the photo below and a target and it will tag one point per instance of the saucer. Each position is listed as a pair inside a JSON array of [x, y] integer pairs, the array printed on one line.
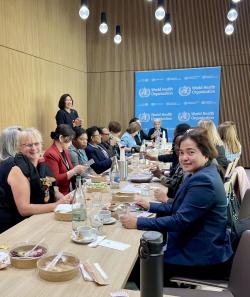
[[110, 222], [84, 241]]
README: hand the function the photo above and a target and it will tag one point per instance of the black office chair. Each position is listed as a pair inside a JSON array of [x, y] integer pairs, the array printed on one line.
[[245, 206], [239, 282]]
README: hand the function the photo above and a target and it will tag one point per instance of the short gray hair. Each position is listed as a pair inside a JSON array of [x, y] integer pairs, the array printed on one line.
[[8, 142]]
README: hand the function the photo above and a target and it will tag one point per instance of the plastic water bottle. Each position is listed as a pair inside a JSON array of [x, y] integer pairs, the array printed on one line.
[[151, 264], [79, 212], [114, 175]]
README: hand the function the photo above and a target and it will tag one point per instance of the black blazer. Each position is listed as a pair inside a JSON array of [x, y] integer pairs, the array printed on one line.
[[140, 137], [152, 130]]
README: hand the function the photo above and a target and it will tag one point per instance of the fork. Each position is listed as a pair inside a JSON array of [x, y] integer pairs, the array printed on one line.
[[54, 261]]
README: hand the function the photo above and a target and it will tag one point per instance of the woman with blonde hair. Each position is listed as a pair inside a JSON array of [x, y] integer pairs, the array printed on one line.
[[26, 182], [214, 137], [228, 134]]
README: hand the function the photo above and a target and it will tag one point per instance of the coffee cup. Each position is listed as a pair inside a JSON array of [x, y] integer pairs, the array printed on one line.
[[104, 216], [86, 232]]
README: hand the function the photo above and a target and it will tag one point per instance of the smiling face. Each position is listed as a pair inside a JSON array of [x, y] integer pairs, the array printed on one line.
[[68, 102], [190, 156], [31, 147]]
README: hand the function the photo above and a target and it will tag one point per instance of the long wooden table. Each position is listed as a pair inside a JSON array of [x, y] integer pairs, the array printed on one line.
[[27, 283]]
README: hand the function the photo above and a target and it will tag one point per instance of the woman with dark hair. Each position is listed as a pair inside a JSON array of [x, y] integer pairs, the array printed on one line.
[[67, 115], [198, 242], [58, 158], [96, 152]]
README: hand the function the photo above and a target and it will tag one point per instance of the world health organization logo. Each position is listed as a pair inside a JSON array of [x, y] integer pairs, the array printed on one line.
[[144, 92], [183, 116], [184, 91], [144, 117]]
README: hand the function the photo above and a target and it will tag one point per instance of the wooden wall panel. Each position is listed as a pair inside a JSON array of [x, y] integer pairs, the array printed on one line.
[[42, 56], [197, 40]]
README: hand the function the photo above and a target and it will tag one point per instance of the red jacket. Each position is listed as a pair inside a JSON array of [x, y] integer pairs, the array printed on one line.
[[58, 167]]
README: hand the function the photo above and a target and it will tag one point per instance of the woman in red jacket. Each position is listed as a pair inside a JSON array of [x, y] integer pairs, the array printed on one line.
[[58, 158]]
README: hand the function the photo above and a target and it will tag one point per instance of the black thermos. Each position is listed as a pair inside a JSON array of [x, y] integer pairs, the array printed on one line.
[[151, 264]]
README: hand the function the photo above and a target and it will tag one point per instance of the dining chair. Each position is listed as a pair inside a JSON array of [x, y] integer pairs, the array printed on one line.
[[239, 281]]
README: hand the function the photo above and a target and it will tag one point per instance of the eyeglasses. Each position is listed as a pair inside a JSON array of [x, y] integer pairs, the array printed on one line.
[[105, 133], [30, 145]]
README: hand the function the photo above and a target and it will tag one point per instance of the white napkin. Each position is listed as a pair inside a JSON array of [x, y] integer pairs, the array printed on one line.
[[96, 242], [63, 208], [116, 245]]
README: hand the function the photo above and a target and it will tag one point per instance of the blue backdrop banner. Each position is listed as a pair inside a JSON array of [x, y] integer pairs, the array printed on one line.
[[177, 96]]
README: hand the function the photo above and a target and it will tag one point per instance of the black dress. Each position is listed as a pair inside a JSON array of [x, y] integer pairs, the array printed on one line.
[[64, 117], [41, 188]]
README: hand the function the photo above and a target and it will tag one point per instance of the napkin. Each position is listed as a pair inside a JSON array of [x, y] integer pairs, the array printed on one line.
[[63, 208], [116, 245], [96, 272]]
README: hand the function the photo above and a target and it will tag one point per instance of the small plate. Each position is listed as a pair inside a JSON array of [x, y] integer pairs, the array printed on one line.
[[110, 222], [84, 241]]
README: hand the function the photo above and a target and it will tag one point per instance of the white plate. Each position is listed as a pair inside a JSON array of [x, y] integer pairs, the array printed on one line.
[[110, 222], [84, 241]]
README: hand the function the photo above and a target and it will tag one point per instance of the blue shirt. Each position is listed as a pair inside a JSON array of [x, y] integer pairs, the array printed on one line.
[[128, 140]]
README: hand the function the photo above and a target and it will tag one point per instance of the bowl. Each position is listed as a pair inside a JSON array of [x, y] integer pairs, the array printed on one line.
[[18, 258], [65, 269]]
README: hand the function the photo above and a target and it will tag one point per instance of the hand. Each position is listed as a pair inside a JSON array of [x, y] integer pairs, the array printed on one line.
[[79, 169], [151, 158], [142, 203], [129, 221], [67, 199], [160, 195], [156, 171], [77, 122]]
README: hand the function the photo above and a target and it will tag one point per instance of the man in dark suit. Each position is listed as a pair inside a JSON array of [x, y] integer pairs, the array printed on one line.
[[157, 131]]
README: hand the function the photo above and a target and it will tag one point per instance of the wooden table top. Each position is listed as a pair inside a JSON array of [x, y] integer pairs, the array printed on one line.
[[27, 283]]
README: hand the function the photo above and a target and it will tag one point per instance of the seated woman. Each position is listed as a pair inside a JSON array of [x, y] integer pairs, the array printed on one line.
[[114, 134], [66, 115], [228, 135], [214, 137], [195, 223], [77, 150], [26, 182], [96, 152], [58, 158], [141, 134], [157, 131], [128, 138], [8, 142]]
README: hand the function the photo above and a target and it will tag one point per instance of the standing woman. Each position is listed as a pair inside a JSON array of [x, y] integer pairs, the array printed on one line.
[[67, 115], [26, 182], [214, 137], [228, 134], [58, 158]]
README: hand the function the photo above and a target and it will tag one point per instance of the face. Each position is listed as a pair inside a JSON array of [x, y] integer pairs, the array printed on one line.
[[65, 141], [96, 137], [105, 135], [138, 122], [190, 156], [81, 142], [68, 102], [157, 125], [31, 148]]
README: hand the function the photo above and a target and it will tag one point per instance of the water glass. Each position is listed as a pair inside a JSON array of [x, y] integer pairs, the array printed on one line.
[[97, 200], [96, 223]]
